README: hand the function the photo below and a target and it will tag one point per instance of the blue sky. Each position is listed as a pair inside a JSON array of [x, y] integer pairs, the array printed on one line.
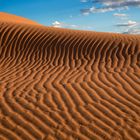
[[121, 16]]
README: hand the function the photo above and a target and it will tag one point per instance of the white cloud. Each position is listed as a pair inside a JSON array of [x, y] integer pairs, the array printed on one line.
[[101, 10], [119, 15], [129, 27], [135, 31], [132, 31], [58, 24], [110, 5], [130, 23]]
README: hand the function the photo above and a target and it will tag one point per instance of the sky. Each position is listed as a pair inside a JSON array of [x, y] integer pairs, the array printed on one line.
[[120, 16]]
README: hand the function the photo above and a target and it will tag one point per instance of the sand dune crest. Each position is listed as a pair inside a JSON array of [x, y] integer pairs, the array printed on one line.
[[67, 84]]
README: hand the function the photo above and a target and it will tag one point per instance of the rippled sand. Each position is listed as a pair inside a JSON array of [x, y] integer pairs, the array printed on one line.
[[60, 84]]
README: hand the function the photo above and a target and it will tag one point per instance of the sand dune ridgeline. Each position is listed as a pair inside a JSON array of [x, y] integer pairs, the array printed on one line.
[[67, 84]]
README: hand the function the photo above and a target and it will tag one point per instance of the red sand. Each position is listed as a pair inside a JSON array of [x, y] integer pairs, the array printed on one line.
[[4, 17], [67, 85]]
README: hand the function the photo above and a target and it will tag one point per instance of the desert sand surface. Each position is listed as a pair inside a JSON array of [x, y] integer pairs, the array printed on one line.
[[15, 19], [61, 84]]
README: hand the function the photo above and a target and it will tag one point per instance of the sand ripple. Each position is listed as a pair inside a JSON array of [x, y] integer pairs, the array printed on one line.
[[68, 85]]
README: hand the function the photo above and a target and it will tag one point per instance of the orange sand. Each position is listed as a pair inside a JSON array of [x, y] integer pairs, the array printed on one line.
[[60, 84]]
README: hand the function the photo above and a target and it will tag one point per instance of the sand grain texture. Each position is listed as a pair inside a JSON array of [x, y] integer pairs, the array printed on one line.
[[60, 84]]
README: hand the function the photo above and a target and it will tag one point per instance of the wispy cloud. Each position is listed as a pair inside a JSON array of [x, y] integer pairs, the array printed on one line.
[[110, 5], [58, 24], [130, 23], [120, 15], [132, 31], [130, 27], [101, 10], [102, 6]]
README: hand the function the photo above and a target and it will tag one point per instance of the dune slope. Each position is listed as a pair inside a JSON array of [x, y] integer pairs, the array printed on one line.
[[68, 85], [5, 17]]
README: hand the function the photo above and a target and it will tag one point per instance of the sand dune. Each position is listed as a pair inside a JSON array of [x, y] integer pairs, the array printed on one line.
[[16, 19], [66, 84]]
